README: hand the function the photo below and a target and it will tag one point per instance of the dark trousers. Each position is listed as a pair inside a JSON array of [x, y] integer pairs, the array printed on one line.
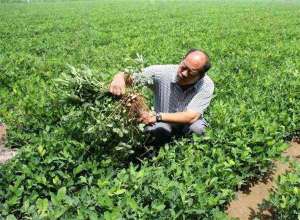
[[162, 131]]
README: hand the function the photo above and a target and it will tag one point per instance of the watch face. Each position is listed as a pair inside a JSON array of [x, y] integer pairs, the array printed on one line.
[[158, 117]]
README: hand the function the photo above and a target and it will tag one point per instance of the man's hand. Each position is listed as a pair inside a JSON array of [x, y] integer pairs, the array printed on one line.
[[147, 118], [117, 86]]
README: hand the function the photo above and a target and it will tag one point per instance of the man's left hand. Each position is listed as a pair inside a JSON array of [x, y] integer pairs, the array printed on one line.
[[147, 118]]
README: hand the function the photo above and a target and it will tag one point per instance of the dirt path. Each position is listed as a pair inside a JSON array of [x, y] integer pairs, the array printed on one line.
[[5, 153], [245, 206]]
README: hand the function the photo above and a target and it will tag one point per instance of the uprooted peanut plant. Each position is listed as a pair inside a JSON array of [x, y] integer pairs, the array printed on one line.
[[106, 123]]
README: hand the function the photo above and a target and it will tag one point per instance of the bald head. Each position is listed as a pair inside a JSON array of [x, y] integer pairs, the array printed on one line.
[[198, 60], [193, 67]]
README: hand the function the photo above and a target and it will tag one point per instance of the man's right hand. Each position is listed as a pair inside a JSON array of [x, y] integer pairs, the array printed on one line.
[[118, 85]]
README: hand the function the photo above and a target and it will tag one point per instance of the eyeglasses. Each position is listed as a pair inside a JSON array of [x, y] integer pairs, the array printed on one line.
[[192, 72]]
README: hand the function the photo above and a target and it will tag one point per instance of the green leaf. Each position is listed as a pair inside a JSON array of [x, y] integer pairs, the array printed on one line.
[[105, 201], [119, 192], [42, 206], [61, 193], [11, 217]]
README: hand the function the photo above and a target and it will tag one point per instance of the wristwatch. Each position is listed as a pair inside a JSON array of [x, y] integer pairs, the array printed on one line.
[[158, 117]]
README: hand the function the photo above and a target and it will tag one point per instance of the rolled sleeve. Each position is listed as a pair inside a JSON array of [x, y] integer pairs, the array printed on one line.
[[201, 101], [146, 77]]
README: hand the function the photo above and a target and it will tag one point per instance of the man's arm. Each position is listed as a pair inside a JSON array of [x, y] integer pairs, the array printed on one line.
[[121, 80], [187, 117]]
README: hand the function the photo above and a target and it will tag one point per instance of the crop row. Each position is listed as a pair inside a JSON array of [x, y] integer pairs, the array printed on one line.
[[284, 201]]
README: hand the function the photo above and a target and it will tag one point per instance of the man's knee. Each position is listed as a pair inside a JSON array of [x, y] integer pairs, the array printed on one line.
[[198, 127], [160, 131], [159, 128]]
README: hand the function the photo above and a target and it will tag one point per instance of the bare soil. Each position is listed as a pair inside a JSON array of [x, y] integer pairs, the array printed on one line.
[[245, 206], [5, 153]]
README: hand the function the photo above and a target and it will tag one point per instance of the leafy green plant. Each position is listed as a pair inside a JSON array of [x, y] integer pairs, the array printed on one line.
[[284, 201], [64, 170], [98, 119]]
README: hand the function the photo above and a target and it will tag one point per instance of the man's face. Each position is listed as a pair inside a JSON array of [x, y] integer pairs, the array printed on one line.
[[188, 71]]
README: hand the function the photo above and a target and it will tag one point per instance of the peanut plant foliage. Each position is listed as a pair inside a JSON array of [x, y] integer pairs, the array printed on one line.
[[284, 200], [83, 155], [99, 119]]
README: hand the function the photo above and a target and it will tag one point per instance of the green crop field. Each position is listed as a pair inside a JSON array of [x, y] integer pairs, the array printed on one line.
[[80, 156]]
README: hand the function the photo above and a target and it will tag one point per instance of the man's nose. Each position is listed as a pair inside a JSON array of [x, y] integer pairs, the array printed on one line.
[[184, 73]]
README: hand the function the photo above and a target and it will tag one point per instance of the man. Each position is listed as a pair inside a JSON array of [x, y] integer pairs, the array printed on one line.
[[181, 93]]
